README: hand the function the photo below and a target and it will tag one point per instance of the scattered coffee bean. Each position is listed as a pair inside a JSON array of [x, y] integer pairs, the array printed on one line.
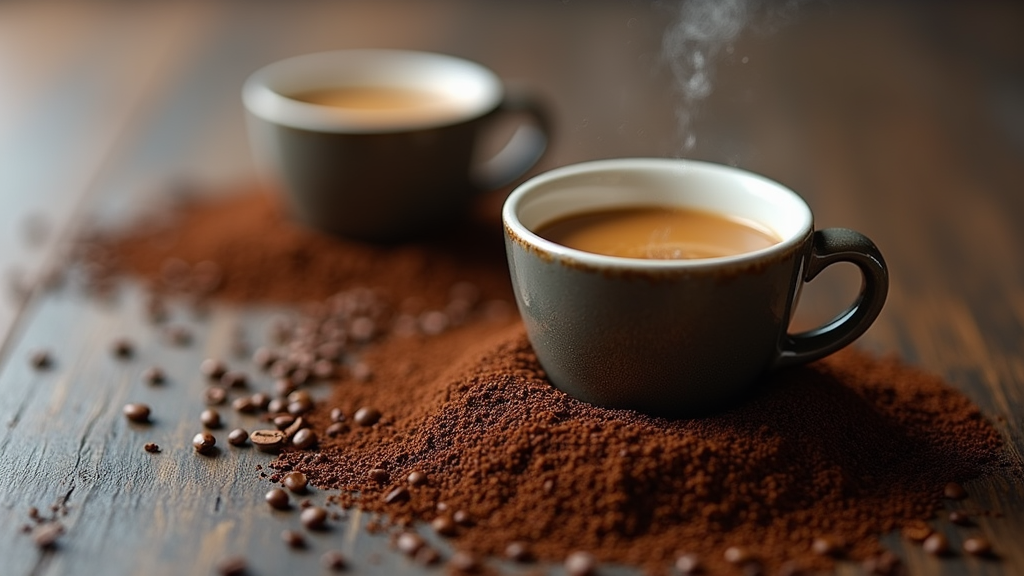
[[299, 407], [885, 564], [263, 358], [936, 545], [215, 395], [333, 560], [314, 518], [136, 412], [33, 512], [427, 556], [260, 400], [238, 437], [400, 494], [210, 418], [153, 375], [462, 518], [212, 369], [337, 415], [278, 499], [336, 429], [294, 428], [688, 563], [580, 564], [960, 518], [293, 539], [46, 535], [519, 552], [916, 531], [738, 556], [417, 478], [234, 379], [826, 546], [296, 482], [232, 566], [284, 421], [409, 542], [244, 405], [151, 448], [277, 405], [204, 442], [954, 491], [379, 475], [122, 348], [304, 439], [40, 360], [444, 526], [977, 546], [367, 416], [463, 562]]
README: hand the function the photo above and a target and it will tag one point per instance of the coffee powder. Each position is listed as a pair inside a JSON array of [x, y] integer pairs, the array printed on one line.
[[843, 450]]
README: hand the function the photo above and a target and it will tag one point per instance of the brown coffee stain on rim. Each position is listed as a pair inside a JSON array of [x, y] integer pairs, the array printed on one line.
[[726, 272]]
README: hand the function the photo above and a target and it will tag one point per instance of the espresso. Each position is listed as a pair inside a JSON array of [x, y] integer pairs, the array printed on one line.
[[659, 233], [375, 98]]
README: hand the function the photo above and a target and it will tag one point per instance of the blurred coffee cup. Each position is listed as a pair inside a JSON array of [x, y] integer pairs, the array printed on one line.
[[382, 145]]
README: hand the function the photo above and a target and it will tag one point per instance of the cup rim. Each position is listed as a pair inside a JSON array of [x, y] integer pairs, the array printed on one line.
[[478, 87], [516, 230]]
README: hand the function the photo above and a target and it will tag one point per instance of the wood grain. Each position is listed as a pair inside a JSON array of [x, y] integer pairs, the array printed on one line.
[[903, 121]]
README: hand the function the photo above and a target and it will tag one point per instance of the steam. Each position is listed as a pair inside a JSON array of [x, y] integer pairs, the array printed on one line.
[[703, 29]]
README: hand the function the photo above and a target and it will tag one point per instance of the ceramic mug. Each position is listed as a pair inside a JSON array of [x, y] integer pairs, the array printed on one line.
[[675, 337], [381, 144]]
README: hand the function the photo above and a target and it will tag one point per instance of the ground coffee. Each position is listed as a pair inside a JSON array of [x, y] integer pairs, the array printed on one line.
[[840, 451]]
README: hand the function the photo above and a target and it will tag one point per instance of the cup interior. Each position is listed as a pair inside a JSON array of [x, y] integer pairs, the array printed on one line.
[[655, 182], [463, 90]]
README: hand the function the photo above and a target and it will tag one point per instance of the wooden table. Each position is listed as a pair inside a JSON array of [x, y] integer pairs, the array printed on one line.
[[903, 121]]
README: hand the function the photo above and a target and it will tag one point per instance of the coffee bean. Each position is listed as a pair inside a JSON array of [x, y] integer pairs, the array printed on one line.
[[293, 539], [122, 348], [409, 542], [234, 379], [916, 531], [210, 418], [313, 518], [885, 564], [204, 442], [293, 428], [232, 566], [304, 439], [379, 475], [283, 421], [260, 400], [417, 478], [400, 494], [936, 545], [277, 499], [46, 535], [153, 375], [960, 518], [738, 556], [323, 369], [40, 360], [977, 546], [215, 395], [299, 407], [136, 412], [151, 448], [464, 562], [433, 322], [367, 416], [333, 560], [296, 482], [244, 405], [362, 372], [462, 518], [580, 564], [336, 429], [954, 491], [826, 546], [519, 552], [277, 405], [238, 437], [427, 556], [33, 512], [688, 563], [263, 358], [444, 526], [337, 415], [212, 369]]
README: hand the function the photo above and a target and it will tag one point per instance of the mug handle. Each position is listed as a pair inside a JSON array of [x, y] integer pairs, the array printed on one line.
[[523, 150], [828, 247]]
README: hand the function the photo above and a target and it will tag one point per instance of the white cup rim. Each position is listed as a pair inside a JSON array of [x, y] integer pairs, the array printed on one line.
[[475, 88], [794, 224]]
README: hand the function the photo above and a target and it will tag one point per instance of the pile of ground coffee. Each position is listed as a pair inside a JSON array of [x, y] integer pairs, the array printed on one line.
[[465, 431]]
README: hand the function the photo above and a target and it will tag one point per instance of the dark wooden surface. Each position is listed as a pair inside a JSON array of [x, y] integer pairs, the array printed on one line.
[[904, 121]]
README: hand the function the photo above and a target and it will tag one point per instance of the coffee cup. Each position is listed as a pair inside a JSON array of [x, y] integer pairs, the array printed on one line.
[[381, 144], [659, 331]]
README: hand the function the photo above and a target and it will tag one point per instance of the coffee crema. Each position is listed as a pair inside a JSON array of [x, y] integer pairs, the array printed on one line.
[[659, 233], [375, 98]]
